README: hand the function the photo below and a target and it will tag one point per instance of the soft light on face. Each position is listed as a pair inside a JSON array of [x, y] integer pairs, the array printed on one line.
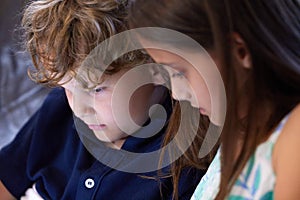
[[185, 80], [94, 107], [191, 62]]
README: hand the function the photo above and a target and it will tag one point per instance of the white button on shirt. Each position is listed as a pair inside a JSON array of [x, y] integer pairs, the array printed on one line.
[[89, 183]]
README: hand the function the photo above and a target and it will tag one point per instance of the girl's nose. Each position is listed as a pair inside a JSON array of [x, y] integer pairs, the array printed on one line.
[[180, 90]]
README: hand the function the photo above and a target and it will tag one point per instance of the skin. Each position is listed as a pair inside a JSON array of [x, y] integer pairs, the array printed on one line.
[[188, 84], [193, 82], [184, 79], [286, 159], [4, 193], [95, 106]]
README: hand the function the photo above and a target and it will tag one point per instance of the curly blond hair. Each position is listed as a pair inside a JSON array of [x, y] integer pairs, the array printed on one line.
[[59, 34]]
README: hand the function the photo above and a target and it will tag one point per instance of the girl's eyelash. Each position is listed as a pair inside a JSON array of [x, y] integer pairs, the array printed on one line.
[[178, 74]]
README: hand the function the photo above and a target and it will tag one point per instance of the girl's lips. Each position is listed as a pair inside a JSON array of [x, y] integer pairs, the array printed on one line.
[[97, 127]]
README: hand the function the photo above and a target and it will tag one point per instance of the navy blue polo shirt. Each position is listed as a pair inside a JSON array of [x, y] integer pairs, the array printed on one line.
[[49, 152]]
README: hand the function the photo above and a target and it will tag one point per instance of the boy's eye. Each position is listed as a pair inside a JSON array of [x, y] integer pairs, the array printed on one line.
[[99, 89]]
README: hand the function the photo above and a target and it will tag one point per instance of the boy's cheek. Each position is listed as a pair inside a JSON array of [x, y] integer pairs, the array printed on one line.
[[140, 104]]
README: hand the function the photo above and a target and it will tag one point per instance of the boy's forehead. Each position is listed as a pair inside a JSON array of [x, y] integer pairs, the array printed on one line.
[[90, 78], [67, 82]]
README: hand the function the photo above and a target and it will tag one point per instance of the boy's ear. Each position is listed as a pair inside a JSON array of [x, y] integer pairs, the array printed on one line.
[[240, 51]]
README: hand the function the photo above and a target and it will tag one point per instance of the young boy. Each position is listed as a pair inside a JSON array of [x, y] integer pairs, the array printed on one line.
[[59, 155]]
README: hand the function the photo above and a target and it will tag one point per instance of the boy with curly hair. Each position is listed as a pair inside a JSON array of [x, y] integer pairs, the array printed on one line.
[[58, 155]]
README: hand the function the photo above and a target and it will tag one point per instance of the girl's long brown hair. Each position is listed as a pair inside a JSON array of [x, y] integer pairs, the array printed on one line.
[[271, 31], [186, 124], [149, 14]]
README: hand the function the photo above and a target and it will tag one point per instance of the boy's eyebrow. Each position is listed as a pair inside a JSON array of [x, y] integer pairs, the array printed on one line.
[[88, 87], [81, 81]]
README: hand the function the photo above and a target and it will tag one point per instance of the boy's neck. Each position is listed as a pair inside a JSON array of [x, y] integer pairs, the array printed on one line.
[[117, 144]]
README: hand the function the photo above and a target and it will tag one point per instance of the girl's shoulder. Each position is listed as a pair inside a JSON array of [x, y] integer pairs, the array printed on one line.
[[289, 134], [292, 123], [286, 158]]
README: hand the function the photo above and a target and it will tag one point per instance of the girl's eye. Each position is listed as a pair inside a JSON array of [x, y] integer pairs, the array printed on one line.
[[178, 75]]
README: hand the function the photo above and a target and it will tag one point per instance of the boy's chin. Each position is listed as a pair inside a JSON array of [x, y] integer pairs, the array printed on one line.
[[115, 143]]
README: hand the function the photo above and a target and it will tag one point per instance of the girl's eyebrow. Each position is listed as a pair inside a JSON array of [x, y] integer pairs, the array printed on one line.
[[172, 65], [168, 64]]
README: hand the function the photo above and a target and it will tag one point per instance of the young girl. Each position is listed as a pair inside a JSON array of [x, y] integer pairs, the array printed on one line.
[[256, 47], [80, 145]]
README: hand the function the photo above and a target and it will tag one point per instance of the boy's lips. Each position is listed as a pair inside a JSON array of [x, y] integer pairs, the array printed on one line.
[[97, 127]]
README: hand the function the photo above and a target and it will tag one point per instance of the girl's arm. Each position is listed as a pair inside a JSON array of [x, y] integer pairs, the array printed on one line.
[[286, 159]]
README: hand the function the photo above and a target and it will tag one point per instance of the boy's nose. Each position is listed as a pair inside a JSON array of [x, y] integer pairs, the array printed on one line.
[[83, 105]]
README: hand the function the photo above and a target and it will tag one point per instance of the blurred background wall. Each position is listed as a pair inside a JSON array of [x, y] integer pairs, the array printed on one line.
[[19, 96]]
